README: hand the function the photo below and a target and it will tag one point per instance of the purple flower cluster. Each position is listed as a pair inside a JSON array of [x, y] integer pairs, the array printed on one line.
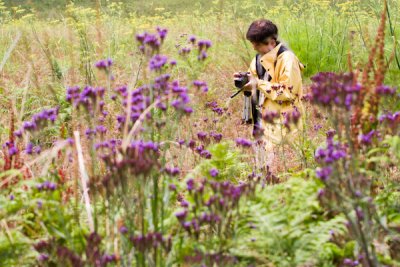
[[199, 149], [185, 51], [214, 172], [203, 45], [139, 158], [213, 202], [47, 185], [139, 101], [202, 136], [38, 121], [350, 262], [90, 98], [270, 116], [173, 171], [243, 142], [182, 99], [150, 43], [215, 108], [30, 149], [216, 136], [104, 64], [12, 148], [291, 118], [150, 241], [327, 157], [157, 62], [162, 33], [331, 89], [201, 85], [161, 84], [391, 120], [385, 90], [366, 139]]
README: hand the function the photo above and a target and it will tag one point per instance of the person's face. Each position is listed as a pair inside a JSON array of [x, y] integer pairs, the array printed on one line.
[[265, 47]]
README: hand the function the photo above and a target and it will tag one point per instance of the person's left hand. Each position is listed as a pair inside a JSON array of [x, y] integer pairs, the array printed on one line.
[[252, 84]]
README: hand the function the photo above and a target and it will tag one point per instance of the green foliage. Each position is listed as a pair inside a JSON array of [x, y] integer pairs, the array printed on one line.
[[290, 226], [231, 163], [29, 215]]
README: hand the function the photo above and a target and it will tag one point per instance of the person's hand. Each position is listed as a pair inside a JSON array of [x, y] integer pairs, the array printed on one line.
[[252, 84], [236, 75]]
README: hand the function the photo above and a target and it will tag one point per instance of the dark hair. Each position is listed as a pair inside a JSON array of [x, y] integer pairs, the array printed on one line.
[[260, 30]]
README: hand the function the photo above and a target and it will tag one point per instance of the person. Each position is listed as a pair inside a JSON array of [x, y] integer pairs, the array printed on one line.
[[278, 92]]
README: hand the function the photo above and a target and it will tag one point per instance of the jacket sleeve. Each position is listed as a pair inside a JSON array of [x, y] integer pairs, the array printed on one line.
[[288, 73]]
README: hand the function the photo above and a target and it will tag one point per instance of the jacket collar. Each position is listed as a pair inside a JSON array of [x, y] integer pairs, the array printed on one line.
[[271, 56]]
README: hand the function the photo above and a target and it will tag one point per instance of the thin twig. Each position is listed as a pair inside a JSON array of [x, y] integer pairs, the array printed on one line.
[[84, 180], [9, 51]]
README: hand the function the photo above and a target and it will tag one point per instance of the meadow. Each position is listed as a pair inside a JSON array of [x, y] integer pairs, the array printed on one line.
[[121, 145]]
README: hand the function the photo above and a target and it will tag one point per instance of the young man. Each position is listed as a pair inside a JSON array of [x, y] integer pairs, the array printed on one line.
[[280, 88]]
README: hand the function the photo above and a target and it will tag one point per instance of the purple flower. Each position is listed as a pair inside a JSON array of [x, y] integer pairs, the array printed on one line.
[[359, 213], [150, 40], [12, 151], [199, 148], [181, 215], [205, 154], [184, 204], [199, 84], [317, 127], [37, 149], [109, 258], [172, 62], [190, 184], [324, 173], [47, 185], [172, 187], [101, 129], [43, 257], [172, 171], [18, 133], [217, 136], [214, 172], [157, 62], [188, 110], [181, 142], [184, 51], [321, 192], [202, 136], [162, 33], [333, 152], [123, 230], [203, 55], [192, 39], [104, 64], [385, 90], [347, 262], [366, 139], [204, 44], [331, 89], [243, 142]]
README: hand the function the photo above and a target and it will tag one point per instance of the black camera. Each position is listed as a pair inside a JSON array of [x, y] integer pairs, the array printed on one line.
[[242, 79]]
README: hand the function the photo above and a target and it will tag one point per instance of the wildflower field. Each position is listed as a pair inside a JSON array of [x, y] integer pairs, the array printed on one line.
[[121, 146]]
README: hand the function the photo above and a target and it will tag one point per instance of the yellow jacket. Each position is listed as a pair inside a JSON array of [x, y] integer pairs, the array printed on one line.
[[284, 90]]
